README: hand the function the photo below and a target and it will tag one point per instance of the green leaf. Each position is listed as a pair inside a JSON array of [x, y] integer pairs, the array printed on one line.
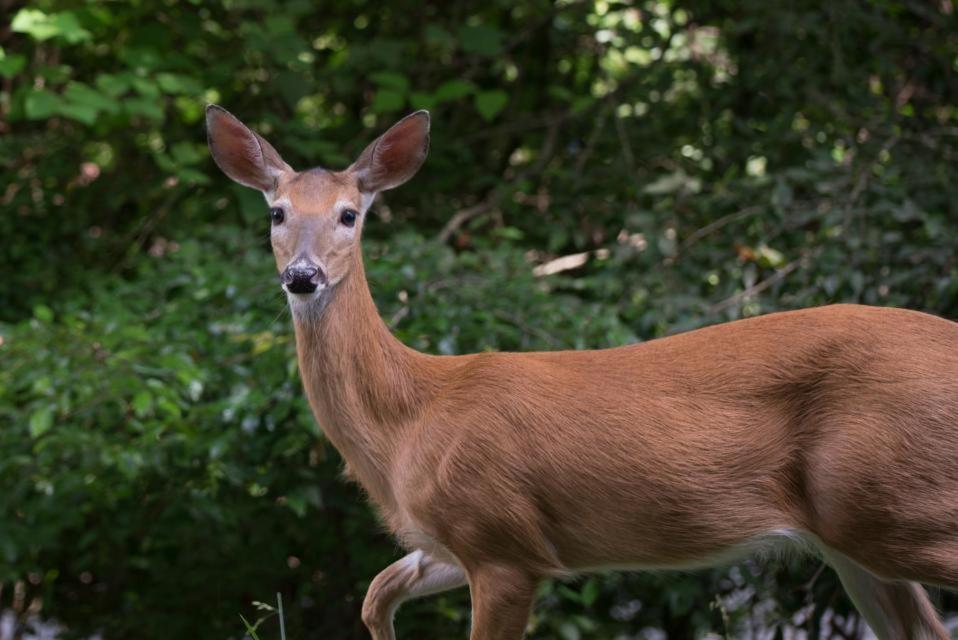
[[569, 593], [164, 162], [82, 112], [41, 26], [185, 152], [43, 313], [168, 407], [40, 104], [290, 86], [480, 39], [490, 103], [422, 100], [146, 87], [509, 233], [387, 100], [391, 80], [297, 503], [590, 592], [79, 93], [143, 107], [178, 84], [84, 103], [279, 24], [113, 85], [249, 203], [453, 90], [560, 93], [41, 421], [581, 103], [10, 65], [142, 403], [34, 23], [436, 35], [192, 176]]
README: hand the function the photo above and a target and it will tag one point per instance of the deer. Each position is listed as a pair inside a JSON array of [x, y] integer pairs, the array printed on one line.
[[833, 429]]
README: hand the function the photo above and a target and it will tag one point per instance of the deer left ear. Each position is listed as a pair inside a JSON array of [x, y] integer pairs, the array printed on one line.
[[241, 153], [394, 157]]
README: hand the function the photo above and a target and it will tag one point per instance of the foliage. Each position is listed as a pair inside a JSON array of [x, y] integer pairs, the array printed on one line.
[[701, 161]]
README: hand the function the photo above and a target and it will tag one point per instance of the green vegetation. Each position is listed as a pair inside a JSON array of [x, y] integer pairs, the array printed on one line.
[[159, 468]]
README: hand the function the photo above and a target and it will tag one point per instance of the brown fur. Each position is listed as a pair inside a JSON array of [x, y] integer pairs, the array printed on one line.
[[839, 424]]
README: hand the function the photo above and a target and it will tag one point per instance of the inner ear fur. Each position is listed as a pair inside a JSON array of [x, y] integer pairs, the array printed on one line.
[[394, 157]]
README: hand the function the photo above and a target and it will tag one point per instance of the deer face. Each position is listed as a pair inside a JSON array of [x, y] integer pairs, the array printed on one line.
[[316, 216]]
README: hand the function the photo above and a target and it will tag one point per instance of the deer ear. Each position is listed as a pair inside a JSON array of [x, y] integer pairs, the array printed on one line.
[[394, 157], [241, 153]]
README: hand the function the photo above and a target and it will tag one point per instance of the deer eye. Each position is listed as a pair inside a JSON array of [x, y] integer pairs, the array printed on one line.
[[277, 215], [348, 217]]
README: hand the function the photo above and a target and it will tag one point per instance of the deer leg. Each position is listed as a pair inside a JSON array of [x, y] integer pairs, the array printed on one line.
[[501, 600], [893, 610], [412, 576]]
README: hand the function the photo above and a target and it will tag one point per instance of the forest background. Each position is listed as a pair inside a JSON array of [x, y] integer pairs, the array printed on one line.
[[602, 172]]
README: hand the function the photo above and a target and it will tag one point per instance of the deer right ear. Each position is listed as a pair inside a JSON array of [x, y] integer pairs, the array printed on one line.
[[242, 154], [395, 156]]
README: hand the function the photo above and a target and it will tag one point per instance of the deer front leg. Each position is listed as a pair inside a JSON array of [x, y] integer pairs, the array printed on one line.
[[501, 600], [412, 576]]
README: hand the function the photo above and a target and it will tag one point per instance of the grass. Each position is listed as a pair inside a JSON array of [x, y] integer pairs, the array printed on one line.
[[270, 612]]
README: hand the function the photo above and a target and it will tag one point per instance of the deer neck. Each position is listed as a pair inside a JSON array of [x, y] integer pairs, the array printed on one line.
[[364, 386]]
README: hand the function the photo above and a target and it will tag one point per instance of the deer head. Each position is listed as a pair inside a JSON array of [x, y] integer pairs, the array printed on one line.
[[316, 215]]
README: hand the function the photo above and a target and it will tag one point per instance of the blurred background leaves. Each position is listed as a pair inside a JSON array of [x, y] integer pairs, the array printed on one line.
[[601, 172]]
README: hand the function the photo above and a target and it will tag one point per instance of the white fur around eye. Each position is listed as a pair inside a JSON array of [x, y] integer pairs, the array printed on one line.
[[341, 229], [282, 203]]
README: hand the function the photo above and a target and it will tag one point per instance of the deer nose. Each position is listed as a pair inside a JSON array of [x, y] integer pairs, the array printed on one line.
[[302, 277]]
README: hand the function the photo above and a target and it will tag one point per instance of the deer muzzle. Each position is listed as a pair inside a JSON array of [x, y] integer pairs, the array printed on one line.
[[302, 276]]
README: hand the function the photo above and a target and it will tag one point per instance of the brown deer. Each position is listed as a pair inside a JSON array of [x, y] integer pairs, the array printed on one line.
[[834, 427]]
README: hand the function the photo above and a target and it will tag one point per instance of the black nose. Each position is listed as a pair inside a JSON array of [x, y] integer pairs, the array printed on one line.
[[301, 277]]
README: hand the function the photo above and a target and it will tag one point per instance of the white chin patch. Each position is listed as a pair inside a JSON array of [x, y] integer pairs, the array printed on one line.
[[307, 304]]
